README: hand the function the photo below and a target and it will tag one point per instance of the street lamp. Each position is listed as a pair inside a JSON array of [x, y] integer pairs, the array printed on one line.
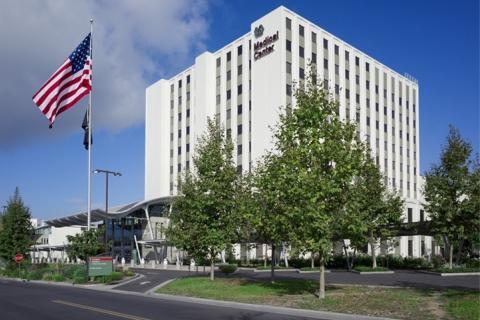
[[107, 173]]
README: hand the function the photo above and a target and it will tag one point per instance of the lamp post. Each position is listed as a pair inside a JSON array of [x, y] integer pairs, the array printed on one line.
[[107, 173]]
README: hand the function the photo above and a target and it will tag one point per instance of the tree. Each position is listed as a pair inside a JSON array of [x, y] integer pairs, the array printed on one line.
[[452, 194], [16, 235], [204, 219], [272, 219], [321, 155], [379, 210], [86, 244]]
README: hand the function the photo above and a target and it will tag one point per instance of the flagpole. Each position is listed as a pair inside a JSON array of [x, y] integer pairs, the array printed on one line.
[[89, 200]]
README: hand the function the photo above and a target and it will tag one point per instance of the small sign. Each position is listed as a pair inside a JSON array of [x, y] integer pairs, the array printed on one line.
[[100, 266], [18, 258]]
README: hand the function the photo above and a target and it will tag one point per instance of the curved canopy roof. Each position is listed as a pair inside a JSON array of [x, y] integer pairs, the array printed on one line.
[[97, 215]]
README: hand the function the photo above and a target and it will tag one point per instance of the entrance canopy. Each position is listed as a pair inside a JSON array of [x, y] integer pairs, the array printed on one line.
[[99, 215]]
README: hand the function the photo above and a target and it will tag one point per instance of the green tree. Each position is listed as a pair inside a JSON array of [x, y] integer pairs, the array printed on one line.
[[204, 219], [321, 156], [377, 209], [272, 219], [16, 235], [452, 194], [86, 244]]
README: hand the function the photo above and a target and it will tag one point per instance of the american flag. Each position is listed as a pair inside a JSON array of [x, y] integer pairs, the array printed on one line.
[[70, 83]]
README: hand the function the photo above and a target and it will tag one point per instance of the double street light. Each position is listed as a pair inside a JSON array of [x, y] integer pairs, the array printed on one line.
[[107, 173]]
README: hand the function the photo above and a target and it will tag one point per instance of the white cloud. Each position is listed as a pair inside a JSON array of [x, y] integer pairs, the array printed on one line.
[[135, 43]]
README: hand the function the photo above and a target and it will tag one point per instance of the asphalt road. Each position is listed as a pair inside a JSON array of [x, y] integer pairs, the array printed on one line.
[[27, 300]]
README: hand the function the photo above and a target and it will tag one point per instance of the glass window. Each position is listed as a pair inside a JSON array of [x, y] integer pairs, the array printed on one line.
[[229, 55], [325, 44], [301, 51], [314, 37], [289, 45], [289, 67], [288, 22], [301, 73], [239, 50], [301, 30]]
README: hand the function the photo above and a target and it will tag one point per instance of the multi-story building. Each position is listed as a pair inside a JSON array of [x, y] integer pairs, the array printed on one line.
[[246, 82]]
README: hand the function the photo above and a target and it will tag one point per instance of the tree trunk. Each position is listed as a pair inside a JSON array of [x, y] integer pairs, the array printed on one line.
[[459, 253], [212, 268], [347, 257], [285, 255], [372, 247], [450, 258], [321, 283], [312, 258], [272, 270]]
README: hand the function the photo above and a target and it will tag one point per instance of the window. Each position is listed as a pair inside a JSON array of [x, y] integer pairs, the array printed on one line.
[[347, 56], [229, 56], [325, 64], [239, 149], [301, 30], [337, 68], [188, 79], [314, 57], [289, 67], [179, 150], [410, 248], [179, 83], [314, 37], [422, 215], [239, 89], [188, 113], [289, 45], [301, 73], [289, 90], [229, 113], [218, 62], [336, 50], [188, 130], [179, 116], [367, 66], [229, 75], [229, 133], [357, 79], [239, 50], [288, 22], [368, 121], [347, 74], [357, 61], [337, 89], [410, 214], [239, 109], [239, 129], [180, 133], [179, 167], [239, 70], [301, 51], [229, 94], [347, 94], [325, 44], [367, 84]]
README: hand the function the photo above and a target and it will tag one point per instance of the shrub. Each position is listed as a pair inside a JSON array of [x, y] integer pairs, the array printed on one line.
[[128, 273], [227, 268], [116, 276], [35, 275], [79, 275], [438, 261], [79, 280], [47, 276], [58, 277], [473, 263], [415, 263], [369, 269]]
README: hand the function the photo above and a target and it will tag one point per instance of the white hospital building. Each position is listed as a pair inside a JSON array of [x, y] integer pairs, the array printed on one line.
[[247, 81]]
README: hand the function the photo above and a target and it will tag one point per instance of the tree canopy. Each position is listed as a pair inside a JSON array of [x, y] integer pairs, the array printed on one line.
[[204, 221], [16, 235], [452, 194]]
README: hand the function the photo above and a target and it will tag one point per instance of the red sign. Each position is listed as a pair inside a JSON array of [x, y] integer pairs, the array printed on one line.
[[18, 257]]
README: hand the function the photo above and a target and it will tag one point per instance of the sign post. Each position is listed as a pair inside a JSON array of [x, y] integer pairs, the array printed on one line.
[[18, 259]]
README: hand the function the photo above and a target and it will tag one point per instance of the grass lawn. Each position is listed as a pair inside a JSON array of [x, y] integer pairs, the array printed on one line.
[[399, 303]]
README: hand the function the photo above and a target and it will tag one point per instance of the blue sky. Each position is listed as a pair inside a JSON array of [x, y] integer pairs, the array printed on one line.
[[138, 42]]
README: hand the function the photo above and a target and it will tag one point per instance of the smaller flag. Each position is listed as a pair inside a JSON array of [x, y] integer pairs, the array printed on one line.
[[70, 83], [86, 127]]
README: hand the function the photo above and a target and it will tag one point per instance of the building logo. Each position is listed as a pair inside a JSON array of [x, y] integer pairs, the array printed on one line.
[[263, 47], [258, 32]]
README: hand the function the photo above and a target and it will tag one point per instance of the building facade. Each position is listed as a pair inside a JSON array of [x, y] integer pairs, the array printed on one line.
[[246, 83]]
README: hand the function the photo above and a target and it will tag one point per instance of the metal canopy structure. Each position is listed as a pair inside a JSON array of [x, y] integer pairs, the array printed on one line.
[[99, 215]]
